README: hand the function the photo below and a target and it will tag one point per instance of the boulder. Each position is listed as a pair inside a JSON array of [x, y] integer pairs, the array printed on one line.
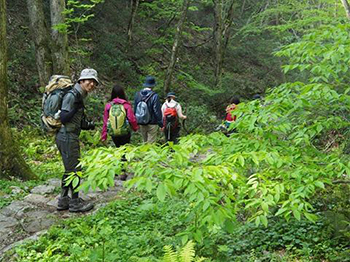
[[36, 199], [16, 209], [55, 182], [43, 189], [37, 220]]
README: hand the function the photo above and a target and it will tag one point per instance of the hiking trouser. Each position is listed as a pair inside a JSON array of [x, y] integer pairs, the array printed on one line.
[[149, 133], [172, 134], [121, 140], [68, 145]]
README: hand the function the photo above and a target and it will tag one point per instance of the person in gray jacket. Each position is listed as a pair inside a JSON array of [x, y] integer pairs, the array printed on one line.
[[67, 138]]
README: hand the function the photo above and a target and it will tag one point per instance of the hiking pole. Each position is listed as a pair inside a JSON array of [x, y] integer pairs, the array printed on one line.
[[184, 126]]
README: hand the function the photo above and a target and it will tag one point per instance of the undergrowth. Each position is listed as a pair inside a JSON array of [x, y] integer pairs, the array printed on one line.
[[136, 227]]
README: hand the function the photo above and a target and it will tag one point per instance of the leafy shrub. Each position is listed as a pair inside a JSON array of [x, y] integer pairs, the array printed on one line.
[[302, 239], [270, 167], [200, 119]]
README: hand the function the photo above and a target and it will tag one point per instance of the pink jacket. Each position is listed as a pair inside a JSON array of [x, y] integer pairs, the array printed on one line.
[[129, 114]]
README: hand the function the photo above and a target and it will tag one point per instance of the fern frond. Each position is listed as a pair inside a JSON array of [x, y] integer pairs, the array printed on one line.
[[169, 255], [188, 253]]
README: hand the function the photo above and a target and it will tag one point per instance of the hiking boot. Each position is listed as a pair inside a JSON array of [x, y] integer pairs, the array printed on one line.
[[123, 177], [79, 205], [63, 203]]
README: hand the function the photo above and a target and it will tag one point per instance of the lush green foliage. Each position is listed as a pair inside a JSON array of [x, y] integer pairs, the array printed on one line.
[[41, 154], [136, 228], [186, 254], [282, 241], [274, 164], [266, 192], [6, 189], [131, 227]]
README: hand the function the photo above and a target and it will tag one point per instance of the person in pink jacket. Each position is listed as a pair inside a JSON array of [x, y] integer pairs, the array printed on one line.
[[118, 97]]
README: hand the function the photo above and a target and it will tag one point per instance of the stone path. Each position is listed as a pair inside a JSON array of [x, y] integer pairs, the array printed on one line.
[[34, 214]]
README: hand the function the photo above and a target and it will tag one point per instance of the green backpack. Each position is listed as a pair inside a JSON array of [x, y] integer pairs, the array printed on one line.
[[118, 124]]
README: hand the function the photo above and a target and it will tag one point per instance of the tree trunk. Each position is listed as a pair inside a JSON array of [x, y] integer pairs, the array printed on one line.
[[218, 29], [134, 6], [11, 162], [175, 48], [59, 38], [41, 40], [223, 18], [346, 7]]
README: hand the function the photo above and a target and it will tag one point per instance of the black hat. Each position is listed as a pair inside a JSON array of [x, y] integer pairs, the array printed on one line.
[[256, 96], [150, 81], [171, 94]]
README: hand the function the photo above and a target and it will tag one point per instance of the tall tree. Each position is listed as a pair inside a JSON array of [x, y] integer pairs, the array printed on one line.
[[223, 14], [59, 37], [175, 48], [41, 40], [346, 7], [11, 162], [134, 5]]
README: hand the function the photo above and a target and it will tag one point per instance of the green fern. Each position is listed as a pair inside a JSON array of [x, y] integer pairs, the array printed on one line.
[[186, 254], [170, 255]]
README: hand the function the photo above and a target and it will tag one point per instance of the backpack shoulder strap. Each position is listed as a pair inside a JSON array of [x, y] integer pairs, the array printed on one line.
[[167, 106], [149, 97], [78, 97]]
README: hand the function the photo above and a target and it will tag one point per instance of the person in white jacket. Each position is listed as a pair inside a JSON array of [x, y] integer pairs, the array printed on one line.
[[171, 111]]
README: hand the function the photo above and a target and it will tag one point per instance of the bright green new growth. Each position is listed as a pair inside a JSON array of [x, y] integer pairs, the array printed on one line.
[[282, 155], [186, 254]]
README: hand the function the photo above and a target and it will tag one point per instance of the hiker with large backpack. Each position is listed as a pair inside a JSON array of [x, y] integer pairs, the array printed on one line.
[[148, 112], [118, 118], [69, 121], [172, 113]]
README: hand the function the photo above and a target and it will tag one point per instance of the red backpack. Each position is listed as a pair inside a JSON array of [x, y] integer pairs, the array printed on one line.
[[170, 119]]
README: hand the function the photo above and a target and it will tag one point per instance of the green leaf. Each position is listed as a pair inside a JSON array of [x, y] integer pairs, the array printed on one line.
[[229, 226], [319, 184], [281, 211], [296, 214], [264, 207], [161, 193], [241, 160], [263, 220], [198, 235], [311, 217], [184, 239], [149, 185], [75, 182], [257, 221], [206, 205]]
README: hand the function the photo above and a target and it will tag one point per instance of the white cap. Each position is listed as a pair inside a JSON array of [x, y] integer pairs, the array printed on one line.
[[89, 73]]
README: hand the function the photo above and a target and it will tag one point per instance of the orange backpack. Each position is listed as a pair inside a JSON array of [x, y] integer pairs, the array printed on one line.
[[170, 119]]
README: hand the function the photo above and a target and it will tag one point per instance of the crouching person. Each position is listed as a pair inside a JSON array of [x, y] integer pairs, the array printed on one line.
[[67, 138]]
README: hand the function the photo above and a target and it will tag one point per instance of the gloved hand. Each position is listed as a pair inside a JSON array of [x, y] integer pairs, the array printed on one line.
[[91, 125], [87, 124]]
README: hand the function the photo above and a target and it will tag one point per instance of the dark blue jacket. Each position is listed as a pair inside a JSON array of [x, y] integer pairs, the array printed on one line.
[[153, 105]]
